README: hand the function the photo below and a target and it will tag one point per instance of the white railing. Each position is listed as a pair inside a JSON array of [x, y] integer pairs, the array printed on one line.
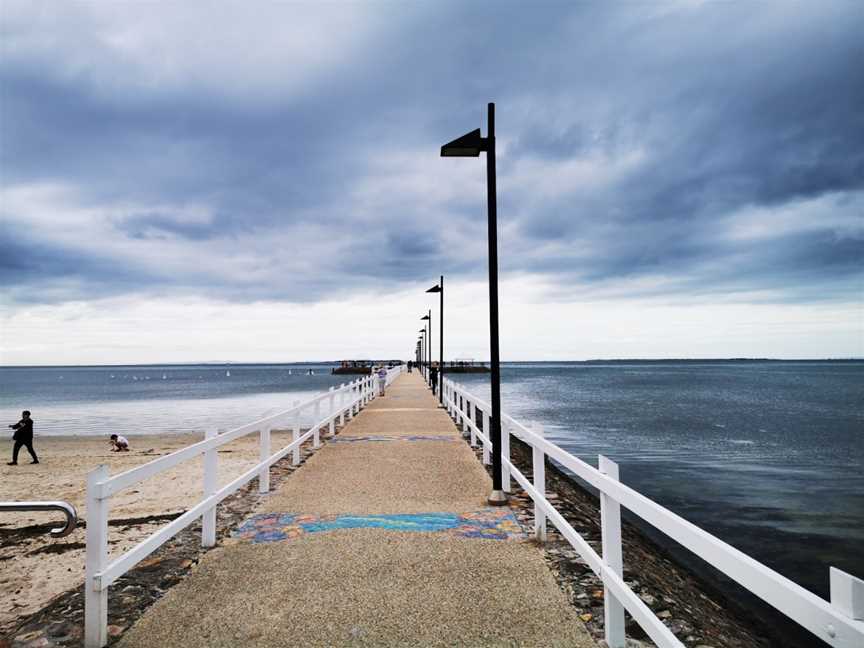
[[838, 622], [341, 403]]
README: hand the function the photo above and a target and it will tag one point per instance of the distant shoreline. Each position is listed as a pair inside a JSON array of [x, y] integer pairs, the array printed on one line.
[[503, 362]]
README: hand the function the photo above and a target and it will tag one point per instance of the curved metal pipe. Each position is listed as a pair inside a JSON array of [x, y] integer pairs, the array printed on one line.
[[65, 507]]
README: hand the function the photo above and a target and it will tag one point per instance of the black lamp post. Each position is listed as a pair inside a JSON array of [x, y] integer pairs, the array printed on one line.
[[471, 145], [423, 351], [440, 290], [428, 319]]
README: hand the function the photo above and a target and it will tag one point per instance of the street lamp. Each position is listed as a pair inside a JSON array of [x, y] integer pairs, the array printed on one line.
[[428, 318], [440, 290], [423, 351], [471, 145]]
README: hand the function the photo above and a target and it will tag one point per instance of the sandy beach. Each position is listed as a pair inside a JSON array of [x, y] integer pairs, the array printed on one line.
[[34, 567]]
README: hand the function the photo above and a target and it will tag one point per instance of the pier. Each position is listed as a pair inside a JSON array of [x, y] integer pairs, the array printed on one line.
[[383, 536]]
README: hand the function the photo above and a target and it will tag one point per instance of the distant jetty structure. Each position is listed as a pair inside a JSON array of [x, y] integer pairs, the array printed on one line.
[[465, 365], [375, 531], [362, 367]]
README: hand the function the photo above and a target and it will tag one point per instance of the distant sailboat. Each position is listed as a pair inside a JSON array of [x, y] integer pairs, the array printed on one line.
[[164, 377], [228, 373], [289, 372]]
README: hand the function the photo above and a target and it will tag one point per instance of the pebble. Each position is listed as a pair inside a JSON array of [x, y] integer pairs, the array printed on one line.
[[28, 636], [647, 599]]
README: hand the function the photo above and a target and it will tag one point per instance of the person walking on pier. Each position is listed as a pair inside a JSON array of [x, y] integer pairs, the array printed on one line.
[[433, 377], [410, 366], [23, 437], [382, 380]]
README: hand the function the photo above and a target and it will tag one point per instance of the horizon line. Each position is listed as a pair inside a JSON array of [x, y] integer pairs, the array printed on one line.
[[336, 362]]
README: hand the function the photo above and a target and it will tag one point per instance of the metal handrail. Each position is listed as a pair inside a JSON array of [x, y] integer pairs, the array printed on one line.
[[65, 507]]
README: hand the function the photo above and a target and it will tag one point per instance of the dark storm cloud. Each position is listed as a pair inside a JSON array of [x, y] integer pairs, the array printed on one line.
[[34, 272], [629, 135]]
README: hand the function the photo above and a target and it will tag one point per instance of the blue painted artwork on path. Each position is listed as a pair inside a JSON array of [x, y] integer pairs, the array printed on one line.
[[488, 524], [413, 437]]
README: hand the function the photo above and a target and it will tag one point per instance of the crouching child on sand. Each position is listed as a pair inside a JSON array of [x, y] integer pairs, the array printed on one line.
[[119, 443]]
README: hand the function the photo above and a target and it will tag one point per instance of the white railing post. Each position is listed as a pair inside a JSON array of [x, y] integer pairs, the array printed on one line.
[[342, 404], [486, 460], [847, 593], [473, 427], [453, 401], [610, 528], [332, 412], [506, 484], [539, 461], [95, 597], [211, 483], [263, 454], [316, 436], [295, 434], [355, 398], [466, 403]]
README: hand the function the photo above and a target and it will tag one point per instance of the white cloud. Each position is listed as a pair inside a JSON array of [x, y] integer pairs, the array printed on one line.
[[533, 327], [842, 213]]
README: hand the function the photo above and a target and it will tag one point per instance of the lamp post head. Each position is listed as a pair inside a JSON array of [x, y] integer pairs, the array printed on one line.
[[469, 145], [425, 317], [434, 289]]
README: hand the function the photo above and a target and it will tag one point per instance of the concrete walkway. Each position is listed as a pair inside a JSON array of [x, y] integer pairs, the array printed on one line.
[[383, 538]]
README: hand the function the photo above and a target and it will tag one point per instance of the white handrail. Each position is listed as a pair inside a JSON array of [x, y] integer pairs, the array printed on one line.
[[838, 623], [345, 400]]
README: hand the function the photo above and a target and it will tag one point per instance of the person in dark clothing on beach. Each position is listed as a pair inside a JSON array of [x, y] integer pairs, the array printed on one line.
[[23, 437], [433, 378]]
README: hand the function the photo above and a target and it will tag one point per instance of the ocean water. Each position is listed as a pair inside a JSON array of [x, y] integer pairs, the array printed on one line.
[[767, 456], [170, 399]]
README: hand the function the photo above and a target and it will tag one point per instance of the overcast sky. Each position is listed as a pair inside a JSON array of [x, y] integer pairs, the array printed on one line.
[[262, 181]]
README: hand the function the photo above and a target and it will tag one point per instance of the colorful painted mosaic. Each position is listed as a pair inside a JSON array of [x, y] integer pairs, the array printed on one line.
[[413, 437], [488, 524]]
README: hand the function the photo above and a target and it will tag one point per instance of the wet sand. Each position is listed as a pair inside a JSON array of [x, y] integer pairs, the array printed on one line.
[[34, 567]]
